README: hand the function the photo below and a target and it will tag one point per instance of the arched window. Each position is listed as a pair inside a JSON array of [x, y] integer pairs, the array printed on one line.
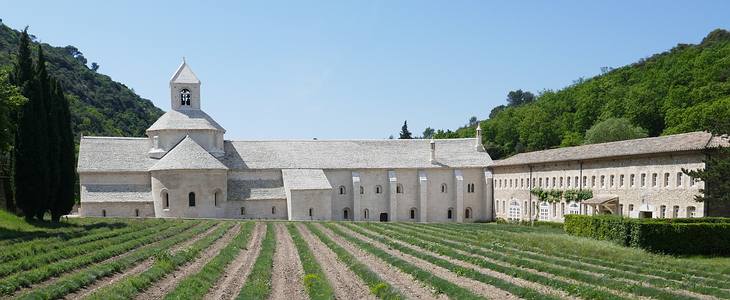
[[470, 188], [365, 214], [675, 211], [514, 210], [467, 213], [544, 211], [136, 212], [413, 213], [191, 199], [443, 188], [450, 213], [362, 190], [273, 210], [378, 189], [103, 212], [165, 200], [691, 212], [216, 197], [346, 213], [399, 189], [574, 208], [243, 210], [311, 211], [185, 97], [342, 190]]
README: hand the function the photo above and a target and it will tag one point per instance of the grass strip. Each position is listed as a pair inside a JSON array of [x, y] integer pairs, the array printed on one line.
[[258, 283], [14, 282], [614, 273], [75, 250], [378, 287], [164, 264], [72, 282], [441, 285], [633, 288], [196, 286], [629, 269], [315, 281], [522, 292]]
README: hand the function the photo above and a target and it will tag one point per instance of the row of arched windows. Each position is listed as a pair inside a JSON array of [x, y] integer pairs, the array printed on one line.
[[601, 181], [470, 188], [191, 199]]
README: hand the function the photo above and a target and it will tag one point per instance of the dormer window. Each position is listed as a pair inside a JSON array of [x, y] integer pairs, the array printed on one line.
[[185, 97]]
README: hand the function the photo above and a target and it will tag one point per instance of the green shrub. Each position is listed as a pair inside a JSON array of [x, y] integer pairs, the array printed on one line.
[[707, 236]]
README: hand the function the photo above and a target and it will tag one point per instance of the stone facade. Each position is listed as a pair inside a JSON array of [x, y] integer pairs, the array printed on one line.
[[185, 168]]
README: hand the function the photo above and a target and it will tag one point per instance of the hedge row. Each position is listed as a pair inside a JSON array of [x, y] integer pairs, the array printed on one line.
[[707, 236]]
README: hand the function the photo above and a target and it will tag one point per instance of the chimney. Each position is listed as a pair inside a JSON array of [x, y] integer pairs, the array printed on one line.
[[478, 144], [433, 151]]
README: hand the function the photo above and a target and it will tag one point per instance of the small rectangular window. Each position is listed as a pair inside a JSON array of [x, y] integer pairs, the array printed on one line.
[[679, 179], [603, 181], [593, 181], [567, 181], [643, 179], [632, 180], [666, 179], [611, 180], [561, 181], [654, 180], [621, 180]]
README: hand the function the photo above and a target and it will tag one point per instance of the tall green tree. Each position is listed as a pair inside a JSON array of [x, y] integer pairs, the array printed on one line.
[[65, 197], [10, 101], [47, 137], [614, 129], [404, 133]]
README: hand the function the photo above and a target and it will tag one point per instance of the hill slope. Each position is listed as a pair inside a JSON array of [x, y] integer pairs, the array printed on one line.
[[684, 89], [99, 105]]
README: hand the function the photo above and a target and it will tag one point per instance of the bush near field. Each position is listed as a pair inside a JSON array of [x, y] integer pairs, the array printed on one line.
[[705, 236]]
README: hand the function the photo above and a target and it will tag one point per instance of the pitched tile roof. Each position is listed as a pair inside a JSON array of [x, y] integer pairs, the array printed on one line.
[[114, 154], [188, 155], [663, 144], [256, 189], [352, 154], [305, 179], [187, 119]]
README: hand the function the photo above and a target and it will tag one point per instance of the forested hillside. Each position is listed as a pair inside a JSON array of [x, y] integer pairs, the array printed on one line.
[[684, 89], [99, 105]]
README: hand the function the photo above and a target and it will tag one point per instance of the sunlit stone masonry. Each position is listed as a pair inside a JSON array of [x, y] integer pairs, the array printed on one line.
[[185, 168]]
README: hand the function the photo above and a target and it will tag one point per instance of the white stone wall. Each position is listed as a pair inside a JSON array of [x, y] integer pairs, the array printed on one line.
[[117, 209], [605, 177], [115, 194], [257, 209], [301, 201], [179, 183]]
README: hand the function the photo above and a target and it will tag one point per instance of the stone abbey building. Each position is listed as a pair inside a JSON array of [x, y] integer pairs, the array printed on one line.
[[185, 168]]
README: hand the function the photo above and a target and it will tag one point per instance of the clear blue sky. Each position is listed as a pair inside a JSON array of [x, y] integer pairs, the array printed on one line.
[[357, 69]]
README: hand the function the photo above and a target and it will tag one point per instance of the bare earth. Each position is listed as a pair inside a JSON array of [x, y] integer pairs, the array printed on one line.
[[139, 268], [237, 271], [516, 281], [476, 287], [169, 282], [286, 278], [346, 284], [405, 283]]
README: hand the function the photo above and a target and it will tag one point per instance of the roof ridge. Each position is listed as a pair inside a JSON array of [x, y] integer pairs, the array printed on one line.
[[113, 137], [352, 140]]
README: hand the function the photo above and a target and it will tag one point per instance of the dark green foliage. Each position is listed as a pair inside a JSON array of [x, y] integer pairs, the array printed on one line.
[[672, 236], [404, 133], [613, 129], [65, 191], [518, 97], [98, 105], [684, 89], [715, 176], [428, 132]]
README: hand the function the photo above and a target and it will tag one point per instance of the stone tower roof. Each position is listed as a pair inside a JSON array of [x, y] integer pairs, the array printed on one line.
[[188, 155], [193, 119], [184, 75]]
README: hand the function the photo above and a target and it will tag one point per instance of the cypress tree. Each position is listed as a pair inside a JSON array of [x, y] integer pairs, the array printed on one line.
[[67, 157], [25, 142], [48, 134]]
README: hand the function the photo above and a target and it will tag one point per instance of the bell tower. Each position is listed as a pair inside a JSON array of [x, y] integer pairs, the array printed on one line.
[[184, 89]]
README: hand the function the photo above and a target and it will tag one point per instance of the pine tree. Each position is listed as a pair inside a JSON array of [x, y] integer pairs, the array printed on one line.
[[404, 133], [67, 158]]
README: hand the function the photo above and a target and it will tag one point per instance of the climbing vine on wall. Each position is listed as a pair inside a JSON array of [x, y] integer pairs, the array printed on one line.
[[551, 196]]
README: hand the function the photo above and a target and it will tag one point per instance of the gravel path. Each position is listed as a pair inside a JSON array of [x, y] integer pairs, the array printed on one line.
[[345, 283], [169, 282], [476, 287], [286, 279], [237, 271], [405, 283], [139, 268], [516, 281]]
